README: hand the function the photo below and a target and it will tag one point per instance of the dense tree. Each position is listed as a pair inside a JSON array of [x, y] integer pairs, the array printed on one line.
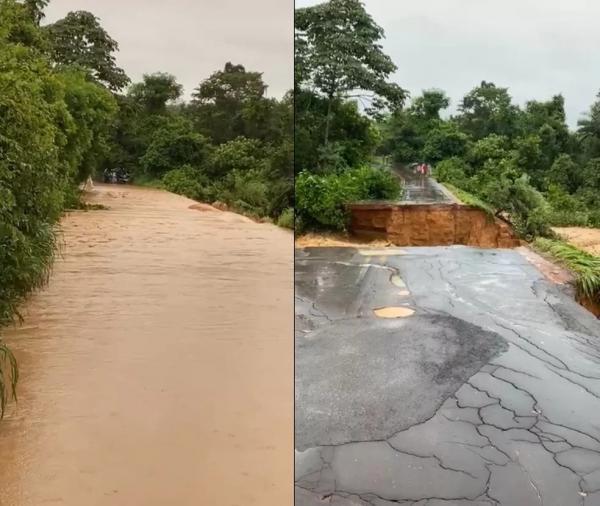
[[156, 91], [228, 101], [589, 131], [35, 9], [92, 109], [338, 55], [79, 40], [173, 146], [429, 105], [487, 110]]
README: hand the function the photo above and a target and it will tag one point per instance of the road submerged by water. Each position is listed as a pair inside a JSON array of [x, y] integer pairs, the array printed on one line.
[[156, 367]]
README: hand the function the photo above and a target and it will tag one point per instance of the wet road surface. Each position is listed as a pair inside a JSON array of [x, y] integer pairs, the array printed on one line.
[[421, 189], [156, 367], [488, 394]]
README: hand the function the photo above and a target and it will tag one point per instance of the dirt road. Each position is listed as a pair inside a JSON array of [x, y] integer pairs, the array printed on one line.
[[588, 239], [156, 367]]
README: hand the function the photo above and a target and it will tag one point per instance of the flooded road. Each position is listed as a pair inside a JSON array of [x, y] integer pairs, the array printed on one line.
[[157, 366]]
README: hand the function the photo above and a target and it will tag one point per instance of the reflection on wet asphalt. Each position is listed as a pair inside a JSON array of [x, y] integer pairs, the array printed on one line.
[[156, 366], [488, 395], [419, 188]]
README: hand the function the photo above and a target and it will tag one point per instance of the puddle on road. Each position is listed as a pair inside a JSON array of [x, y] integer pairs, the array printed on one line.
[[394, 312]]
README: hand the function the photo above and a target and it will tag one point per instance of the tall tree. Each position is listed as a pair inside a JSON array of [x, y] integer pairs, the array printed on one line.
[[35, 8], [156, 91], [488, 109], [339, 55], [79, 40], [429, 105], [223, 101], [589, 130]]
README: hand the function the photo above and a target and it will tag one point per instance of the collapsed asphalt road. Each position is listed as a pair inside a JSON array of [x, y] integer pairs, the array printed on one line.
[[486, 392]]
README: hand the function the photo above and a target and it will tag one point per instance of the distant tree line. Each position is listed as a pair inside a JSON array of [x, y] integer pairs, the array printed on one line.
[[525, 162]]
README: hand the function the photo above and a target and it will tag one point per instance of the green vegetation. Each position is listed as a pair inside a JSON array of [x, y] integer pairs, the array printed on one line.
[[523, 163], [9, 377], [67, 111], [229, 144], [339, 63], [469, 199], [586, 267], [520, 163], [321, 199]]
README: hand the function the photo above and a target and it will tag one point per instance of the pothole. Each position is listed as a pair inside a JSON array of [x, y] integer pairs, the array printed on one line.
[[393, 312]]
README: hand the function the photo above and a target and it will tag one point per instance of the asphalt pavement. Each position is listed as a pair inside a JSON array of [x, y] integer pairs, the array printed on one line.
[[485, 392]]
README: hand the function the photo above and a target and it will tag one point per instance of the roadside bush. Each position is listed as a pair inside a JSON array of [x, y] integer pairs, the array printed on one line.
[[245, 191], [286, 218], [173, 146], [190, 182], [321, 200], [240, 154], [566, 209], [526, 208], [453, 170]]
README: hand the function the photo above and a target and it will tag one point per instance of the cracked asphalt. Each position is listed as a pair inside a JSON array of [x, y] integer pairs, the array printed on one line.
[[489, 394]]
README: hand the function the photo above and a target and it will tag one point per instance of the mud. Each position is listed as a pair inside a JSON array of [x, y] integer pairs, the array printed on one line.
[[156, 367], [430, 225], [587, 239]]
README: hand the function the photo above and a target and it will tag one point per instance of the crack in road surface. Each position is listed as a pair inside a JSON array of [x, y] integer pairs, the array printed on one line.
[[519, 428]]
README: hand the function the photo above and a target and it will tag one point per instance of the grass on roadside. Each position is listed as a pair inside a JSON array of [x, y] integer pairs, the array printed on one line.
[[469, 199], [585, 266]]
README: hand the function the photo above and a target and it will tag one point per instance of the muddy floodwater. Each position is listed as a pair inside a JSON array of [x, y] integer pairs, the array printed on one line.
[[157, 365]]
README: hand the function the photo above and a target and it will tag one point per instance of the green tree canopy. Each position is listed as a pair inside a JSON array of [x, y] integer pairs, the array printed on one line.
[[488, 109], [79, 40], [156, 91], [338, 54]]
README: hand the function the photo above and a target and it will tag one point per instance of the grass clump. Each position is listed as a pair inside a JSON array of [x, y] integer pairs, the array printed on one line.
[[585, 266], [286, 219], [469, 199]]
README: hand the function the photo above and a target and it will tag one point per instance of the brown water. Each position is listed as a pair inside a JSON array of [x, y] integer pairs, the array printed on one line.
[[157, 366]]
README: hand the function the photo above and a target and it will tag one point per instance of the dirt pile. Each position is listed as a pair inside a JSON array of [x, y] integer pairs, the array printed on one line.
[[431, 225]]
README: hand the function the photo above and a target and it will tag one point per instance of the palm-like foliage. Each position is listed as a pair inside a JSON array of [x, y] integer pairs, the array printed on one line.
[[9, 376], [585, 266]]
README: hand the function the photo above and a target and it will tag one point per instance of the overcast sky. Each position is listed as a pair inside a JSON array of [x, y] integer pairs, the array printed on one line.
[[191, 39], [536, 48]]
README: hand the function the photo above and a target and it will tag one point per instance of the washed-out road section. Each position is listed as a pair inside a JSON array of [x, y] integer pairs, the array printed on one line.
[[157, 365], [487, 392]]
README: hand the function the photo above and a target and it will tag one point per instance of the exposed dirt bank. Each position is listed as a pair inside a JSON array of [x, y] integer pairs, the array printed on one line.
[[157, 366], [430, 225]]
